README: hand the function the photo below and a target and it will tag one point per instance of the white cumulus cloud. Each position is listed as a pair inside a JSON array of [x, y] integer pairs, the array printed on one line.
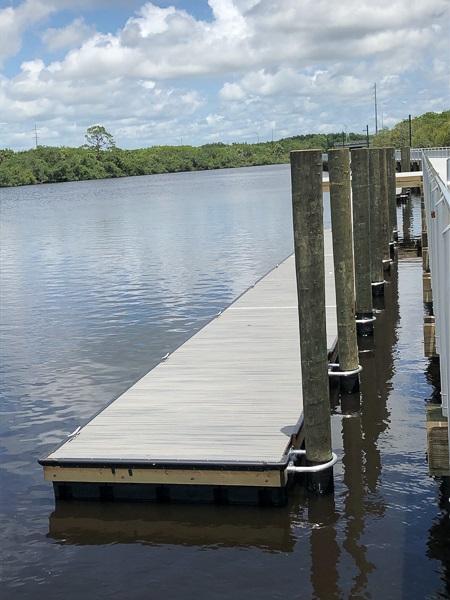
[[74, 34], [254, 65]]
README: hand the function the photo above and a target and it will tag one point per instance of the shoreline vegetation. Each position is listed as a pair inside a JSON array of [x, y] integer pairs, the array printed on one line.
[[100, 158]]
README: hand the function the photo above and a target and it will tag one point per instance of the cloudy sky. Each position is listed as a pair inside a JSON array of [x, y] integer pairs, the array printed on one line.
[[199, 71]]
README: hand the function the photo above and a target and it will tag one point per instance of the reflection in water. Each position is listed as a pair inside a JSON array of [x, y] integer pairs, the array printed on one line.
[[225, 526], [439, 535], [110, 277], [355, 501], [433, 376], [337, 531], [438, 545], [407, 218], [362, 467], [324, 547]]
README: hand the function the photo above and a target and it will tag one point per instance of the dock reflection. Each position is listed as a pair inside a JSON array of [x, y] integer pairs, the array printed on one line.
[[86, 523], [330, 536]]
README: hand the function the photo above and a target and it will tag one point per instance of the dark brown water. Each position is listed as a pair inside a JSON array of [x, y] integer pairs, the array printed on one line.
[[101, 279]]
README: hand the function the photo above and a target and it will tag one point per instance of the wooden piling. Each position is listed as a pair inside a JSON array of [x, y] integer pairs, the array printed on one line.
[[376, 256], [392, 194], [405, 167], [384, 211], [405, 159], [307, 207], [361, 241], [341, 223]]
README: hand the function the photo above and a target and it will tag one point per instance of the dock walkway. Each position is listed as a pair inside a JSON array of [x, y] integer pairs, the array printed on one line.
[[221, 410]]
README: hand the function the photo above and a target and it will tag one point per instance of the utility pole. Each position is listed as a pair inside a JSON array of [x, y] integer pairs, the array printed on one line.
[[36, 135], [376, 108]]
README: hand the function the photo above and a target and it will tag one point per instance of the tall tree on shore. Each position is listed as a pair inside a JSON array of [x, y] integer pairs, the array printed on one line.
[[99, 139]]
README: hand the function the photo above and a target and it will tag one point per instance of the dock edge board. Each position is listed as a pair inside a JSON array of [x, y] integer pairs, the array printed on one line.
[[148, 481], [189, 476], [199, 472]]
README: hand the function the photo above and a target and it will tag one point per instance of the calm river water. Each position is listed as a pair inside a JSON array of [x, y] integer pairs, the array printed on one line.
[[100, 280]]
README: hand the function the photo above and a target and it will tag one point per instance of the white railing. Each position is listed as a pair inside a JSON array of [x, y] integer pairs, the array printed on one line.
[[435, 152], [416, 153], [436, 175]]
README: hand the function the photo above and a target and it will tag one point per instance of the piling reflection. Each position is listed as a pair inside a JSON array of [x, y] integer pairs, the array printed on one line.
[[324, 547], [354, 503], [409, 215], [337, 534], [432, 374], [365, 417], [439, 535], [407, 220], [332, 540]]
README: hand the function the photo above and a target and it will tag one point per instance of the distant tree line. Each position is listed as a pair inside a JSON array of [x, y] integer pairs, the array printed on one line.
[[100, 158], [430, 130]]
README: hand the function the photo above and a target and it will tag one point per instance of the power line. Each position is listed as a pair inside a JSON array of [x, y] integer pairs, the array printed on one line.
[[376, 109]]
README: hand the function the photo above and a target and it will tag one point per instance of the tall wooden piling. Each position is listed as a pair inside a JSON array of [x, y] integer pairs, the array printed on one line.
[[376, 255], [361, 241], [384, 211], [341, 223], [405, 159], [392, 193], [307, 207], [405, 166]]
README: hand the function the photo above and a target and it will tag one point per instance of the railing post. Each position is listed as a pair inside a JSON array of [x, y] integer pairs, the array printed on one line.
[[341, 223], [307, 207], [361, 241]]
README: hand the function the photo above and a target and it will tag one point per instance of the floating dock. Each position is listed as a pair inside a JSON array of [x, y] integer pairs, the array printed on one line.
[[215, 420], [411, 179]]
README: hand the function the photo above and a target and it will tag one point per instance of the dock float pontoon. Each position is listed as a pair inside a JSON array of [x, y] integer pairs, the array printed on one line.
[[215, 421]]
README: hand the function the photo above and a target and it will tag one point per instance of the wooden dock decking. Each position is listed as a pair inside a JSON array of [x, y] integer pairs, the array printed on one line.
[[222, 410]]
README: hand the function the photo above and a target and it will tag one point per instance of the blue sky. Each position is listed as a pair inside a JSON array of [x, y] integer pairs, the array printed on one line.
[[220, 70]]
